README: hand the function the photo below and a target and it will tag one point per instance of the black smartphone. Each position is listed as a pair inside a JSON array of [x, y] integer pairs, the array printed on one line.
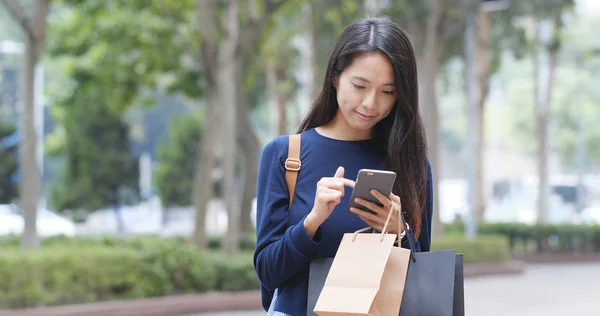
[[369, 179]]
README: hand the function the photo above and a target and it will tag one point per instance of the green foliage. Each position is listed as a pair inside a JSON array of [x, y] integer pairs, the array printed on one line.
[[237, 273], [8, 164], [174, 176], [575, 97], [172, 267], [59, 275], [150, 266], [330, 18], [483, 249], [577, 104], [121, 268], [564, 238], [102, 40], [109, 59], [99, 168], [115, 269]]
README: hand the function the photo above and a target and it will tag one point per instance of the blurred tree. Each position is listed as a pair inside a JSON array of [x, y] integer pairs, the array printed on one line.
[[125, 55], [494, 33], [33, 25], [289, 42], [9, 190], [543, 22], [99, 169], [278, 59], [10, 30], [436, 28], [98, 43], [577, 98], [227, 31], [548, 25], [259, 60], [174, 178]]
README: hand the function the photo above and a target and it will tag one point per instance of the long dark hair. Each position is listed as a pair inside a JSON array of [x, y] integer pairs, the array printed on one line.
[[401, 133]]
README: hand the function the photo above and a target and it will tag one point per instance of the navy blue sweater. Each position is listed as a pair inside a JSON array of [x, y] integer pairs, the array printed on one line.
[[284, 249]]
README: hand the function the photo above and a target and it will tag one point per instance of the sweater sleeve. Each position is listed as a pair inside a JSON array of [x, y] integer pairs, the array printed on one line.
[[282, 250], [424, 242]]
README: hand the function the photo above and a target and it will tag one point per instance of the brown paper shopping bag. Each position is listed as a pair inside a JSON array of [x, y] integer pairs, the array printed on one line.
[[366, 277]]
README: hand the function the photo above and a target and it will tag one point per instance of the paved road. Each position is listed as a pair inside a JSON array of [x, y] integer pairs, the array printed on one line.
[[543, 290]]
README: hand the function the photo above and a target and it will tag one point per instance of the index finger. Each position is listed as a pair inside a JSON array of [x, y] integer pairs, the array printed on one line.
[[347, 182]]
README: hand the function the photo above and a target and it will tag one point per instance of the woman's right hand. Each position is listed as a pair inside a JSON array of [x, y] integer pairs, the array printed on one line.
[[330, 191]]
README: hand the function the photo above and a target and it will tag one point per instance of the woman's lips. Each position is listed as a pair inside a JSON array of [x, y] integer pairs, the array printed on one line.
[[365, 117]]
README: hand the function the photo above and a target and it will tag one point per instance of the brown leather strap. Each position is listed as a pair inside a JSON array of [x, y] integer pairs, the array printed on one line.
[[292, 165]]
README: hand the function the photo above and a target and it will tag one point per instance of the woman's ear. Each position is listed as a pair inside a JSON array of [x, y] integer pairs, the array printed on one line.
[[336, 82]]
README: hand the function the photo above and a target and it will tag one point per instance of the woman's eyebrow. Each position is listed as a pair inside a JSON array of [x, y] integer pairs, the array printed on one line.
[[365, 80]]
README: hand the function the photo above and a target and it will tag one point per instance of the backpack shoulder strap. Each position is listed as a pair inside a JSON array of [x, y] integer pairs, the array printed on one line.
[[292, 165]]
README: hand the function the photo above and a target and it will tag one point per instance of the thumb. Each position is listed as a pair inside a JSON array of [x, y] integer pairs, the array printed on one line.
[[339, 173]]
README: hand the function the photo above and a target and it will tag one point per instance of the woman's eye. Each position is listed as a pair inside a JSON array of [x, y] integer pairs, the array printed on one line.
[[388, 92], [357, 86]]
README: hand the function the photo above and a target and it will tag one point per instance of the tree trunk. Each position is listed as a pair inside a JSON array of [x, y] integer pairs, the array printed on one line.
[[282, 98], [204, 164], [205, 158], [276, 78], [429, 65], [29, 185], [273, 98], [223, 60], [483, 68], [228, 76], [246, 137], [545, 64], [250, 146], [34, 30], [310, 60]]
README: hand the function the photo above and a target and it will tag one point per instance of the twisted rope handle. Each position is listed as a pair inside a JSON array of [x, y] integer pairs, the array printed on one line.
[[387, 221]]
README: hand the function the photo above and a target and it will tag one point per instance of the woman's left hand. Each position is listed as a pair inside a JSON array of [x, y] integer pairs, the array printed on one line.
[[377, 220]]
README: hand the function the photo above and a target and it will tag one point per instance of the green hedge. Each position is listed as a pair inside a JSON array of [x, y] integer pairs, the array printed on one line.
[[564, 238], [247, 242], [79, 270], [84, 269], [483, 249], [53, 276]]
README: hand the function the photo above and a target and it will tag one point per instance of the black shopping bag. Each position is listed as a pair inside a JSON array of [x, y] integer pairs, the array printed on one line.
[[434, 284], [319, 269]]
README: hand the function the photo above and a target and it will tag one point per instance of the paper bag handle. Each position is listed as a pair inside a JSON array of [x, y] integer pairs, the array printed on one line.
[[387, 221]]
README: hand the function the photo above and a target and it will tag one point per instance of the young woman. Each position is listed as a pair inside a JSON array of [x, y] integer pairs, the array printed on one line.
[[366, 116]]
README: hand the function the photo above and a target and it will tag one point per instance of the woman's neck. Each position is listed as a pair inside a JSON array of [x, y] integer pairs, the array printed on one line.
[[338, 128]]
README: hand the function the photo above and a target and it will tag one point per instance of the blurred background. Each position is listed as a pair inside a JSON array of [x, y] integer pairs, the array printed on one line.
[[131, 132]]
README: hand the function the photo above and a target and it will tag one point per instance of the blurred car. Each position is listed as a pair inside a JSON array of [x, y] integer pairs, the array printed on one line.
[[48, 222]]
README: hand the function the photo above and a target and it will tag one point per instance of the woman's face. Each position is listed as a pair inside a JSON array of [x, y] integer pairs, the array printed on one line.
[[365, 92]]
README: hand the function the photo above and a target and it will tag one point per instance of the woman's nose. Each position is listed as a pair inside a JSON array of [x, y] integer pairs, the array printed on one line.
[[370, 100]]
